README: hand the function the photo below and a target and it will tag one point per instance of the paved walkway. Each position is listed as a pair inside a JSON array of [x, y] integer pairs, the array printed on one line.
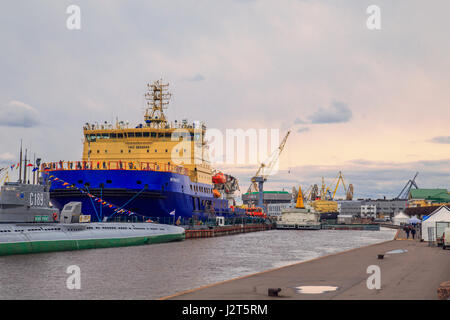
[[402, 235], [415, 274]]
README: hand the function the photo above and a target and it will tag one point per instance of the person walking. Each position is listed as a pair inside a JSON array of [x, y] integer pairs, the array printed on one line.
[[407, 231], [413, 232]]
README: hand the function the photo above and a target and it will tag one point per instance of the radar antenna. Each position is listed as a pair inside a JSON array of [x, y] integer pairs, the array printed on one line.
[[157, 98]]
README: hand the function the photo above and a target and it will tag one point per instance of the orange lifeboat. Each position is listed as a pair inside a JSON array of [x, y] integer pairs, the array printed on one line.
[[216, 193], [219, 178]]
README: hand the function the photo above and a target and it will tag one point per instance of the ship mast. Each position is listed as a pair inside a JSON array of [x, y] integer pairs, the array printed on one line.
[[157, 98]]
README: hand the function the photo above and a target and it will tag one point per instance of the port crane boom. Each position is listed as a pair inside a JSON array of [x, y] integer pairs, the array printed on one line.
[[403, 195], [265, 170]]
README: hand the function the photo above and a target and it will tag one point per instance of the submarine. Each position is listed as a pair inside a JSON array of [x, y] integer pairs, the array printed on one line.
[[28, 224]]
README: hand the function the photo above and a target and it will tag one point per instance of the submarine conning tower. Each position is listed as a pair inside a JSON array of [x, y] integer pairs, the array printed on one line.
[[21, 202]]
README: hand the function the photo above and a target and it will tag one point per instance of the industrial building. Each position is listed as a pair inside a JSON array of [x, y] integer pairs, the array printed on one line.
[[371, 208], [422, 202], [349, 207]]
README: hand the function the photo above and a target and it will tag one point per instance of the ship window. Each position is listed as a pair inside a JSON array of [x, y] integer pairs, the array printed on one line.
[[120, 135], [108, 181], [105, 135], [146, 134], [98, 151], [80, 181], [130, 134], [156, 150], [148, 150], [166, 150], [106, 151], [113, 135], [138, 134], [121, 151], [153, 134], [129, 150], [139, 182], [167, 135]]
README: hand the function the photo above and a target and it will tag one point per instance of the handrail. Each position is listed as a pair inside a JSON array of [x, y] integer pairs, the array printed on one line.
[[114, 165]]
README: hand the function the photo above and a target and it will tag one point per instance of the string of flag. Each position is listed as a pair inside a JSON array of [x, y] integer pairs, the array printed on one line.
[[104, 203], [17, 166]]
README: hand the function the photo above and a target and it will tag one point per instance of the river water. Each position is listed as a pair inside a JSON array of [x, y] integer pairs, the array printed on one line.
[[153, 271]]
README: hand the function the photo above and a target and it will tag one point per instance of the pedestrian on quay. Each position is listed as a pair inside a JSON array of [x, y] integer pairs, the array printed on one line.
[[413, 232], [406, 228]]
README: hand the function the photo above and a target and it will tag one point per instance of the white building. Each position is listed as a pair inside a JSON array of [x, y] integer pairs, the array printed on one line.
[[368, 211]]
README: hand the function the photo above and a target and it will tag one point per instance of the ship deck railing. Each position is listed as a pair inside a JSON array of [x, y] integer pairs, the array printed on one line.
[[113, 165]]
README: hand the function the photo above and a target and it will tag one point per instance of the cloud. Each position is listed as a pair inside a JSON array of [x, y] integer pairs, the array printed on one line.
[[338, 112], [441, 139], [302, 129], [18, 114]]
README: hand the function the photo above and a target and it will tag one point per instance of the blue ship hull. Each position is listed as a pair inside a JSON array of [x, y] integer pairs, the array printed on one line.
[[147, 193]]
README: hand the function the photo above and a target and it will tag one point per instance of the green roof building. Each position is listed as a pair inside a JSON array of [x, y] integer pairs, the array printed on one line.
[[433, 195]]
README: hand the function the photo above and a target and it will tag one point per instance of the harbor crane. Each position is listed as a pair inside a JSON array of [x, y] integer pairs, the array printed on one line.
[[265, 169], [326, 193], [403, 195]]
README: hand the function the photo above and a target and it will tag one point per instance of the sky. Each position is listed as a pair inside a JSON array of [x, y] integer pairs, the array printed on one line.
[[373, 104]]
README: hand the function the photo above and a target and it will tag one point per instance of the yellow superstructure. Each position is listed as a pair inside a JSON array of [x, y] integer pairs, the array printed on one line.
[[156, 142], [325, 206]]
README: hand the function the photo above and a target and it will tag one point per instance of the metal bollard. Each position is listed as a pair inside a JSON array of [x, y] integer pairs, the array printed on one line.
[[272, 292]]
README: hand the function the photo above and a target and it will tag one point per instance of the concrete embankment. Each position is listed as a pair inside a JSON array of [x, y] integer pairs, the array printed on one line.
[[414, 274], [225, 230]]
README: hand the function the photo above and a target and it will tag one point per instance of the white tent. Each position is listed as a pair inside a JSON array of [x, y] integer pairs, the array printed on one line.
[[442, 214], [414, 220], [401, 218]]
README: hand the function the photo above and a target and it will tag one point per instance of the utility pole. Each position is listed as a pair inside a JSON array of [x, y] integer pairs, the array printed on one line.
[[34, 172], [25, 168], [20, 162]]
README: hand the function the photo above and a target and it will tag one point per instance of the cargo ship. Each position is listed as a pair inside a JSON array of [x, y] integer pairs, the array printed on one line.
[[154, 169]]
